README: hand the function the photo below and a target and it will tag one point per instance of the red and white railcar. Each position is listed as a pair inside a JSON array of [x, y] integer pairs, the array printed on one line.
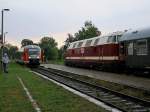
[[97, 51], [30, 55]]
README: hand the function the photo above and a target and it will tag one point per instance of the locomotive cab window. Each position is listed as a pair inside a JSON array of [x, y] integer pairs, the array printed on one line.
[[141, 47], [118, 38], [111, 39]]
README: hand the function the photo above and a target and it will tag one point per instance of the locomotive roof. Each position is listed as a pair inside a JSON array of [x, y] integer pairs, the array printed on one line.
[[103, 40], [71, 44], [136, 34]]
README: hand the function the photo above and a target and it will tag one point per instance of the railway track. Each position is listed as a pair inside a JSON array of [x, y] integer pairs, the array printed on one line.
[[112, 98]]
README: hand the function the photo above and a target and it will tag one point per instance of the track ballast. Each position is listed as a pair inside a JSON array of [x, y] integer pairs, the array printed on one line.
[[112, 98]]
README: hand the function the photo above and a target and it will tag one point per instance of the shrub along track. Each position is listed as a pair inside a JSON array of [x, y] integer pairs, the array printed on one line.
[[112, 98]]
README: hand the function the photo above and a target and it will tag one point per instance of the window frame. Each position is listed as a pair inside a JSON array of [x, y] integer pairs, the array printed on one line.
[[129, 49], [146, 47]]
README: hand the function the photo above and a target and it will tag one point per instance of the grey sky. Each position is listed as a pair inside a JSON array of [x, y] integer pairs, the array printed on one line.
[[34, 19]]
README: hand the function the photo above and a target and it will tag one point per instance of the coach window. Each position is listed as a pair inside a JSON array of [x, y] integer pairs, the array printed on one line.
[[130, 48], [96, 41], [141, 47], [88, 43]]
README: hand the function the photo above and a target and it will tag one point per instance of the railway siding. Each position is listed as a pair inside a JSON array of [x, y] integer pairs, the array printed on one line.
[[132, 81]]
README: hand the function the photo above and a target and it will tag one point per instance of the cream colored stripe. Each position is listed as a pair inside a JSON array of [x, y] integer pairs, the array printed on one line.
[[95, 58], [110, 58]]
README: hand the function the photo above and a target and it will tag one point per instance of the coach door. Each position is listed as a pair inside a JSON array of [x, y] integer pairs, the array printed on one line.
[[122, 51]]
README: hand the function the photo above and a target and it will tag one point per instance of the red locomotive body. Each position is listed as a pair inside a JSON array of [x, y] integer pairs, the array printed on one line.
[[97, 51]]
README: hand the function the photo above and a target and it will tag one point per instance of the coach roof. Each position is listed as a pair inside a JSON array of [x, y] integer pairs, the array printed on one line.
[[136, 34]]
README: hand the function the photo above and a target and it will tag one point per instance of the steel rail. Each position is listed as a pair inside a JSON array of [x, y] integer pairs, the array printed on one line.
[[74, 74]]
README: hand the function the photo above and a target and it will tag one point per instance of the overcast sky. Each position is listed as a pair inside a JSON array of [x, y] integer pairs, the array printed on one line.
[[34, 19]]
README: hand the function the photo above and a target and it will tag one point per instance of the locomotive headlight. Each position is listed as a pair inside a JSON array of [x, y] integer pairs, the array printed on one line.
[[29, 57], [38, 57]]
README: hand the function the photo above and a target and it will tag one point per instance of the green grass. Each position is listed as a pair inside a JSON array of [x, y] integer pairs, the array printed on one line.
[[49, 97], [12, 96], [58, 62]]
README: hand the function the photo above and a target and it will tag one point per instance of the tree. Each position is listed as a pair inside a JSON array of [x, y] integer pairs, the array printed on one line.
[[87, 31], [61, 53], [69, 39], [25, 42], [49, 45], [12, 52]]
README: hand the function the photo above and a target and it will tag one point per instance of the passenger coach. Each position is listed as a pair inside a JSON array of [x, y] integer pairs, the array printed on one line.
[[97, 51], [136, 48]]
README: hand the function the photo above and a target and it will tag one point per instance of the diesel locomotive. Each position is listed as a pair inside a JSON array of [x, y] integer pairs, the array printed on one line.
[[130, 49]]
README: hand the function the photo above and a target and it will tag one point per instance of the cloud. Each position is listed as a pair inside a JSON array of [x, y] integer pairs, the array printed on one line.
[[36, 18]]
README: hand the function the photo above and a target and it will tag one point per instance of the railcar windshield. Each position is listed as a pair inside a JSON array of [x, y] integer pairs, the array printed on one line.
[[34, 51]]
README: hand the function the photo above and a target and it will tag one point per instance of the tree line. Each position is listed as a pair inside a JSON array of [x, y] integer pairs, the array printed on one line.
[[49, 45]]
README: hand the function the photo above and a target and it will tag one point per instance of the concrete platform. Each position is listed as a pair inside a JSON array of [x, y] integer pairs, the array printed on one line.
[[139, 82]]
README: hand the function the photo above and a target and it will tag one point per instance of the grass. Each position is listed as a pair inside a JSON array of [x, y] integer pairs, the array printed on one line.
[[49, 97], [58, 62], [12, 96]]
